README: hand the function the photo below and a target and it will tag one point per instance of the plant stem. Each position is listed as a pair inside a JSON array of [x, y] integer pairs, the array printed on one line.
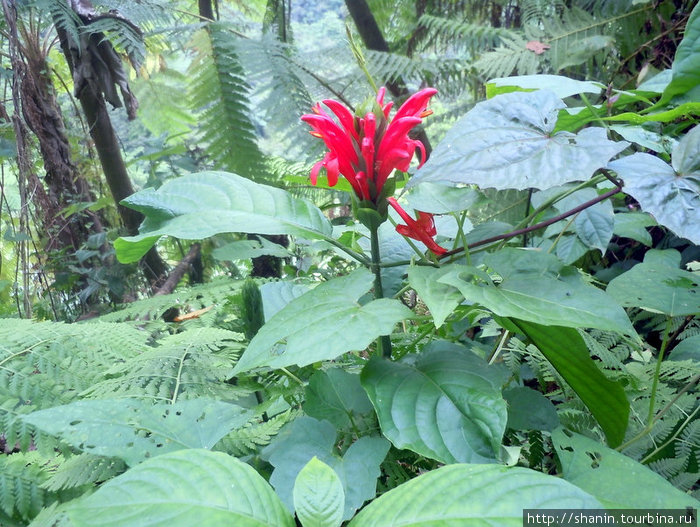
[[384, 341], [655, 384]]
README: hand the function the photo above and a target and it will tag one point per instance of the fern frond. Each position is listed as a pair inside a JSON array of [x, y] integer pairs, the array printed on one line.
[[187, 299], [83, 469], [46, 364], [21, 477], [191, 364], [283, 97], [463, 35], [511, 57], [255, 434], [219, 94]]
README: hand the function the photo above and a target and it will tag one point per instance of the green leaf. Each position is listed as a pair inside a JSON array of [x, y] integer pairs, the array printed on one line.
[[687, 349], [471, 495], [528, 409], [246, 249], [686, 64], [561, 86], [322, 324], [686, 154], [643, 137], [182, 489], [134, 430], [538, 288], [609, 475], [336, 396], [508, 142], [438, 198], [672, 198], [657, 286], [276, 295], [200, 205], [565, 349], [319, 499], [441, 299], [446, 406], [633, 225], [304, 438], [583, 49], [594, 225]]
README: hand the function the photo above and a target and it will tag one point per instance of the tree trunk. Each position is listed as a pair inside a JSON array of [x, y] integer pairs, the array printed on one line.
[[206, 9], [102, 133]]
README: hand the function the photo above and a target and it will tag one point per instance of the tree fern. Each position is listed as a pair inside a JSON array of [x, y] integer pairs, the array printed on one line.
[[191, 364], [471, 37], [82, 469], [219, 94], [21, 493], [186, 299], [276, 73], [255, 434], [46, 364]]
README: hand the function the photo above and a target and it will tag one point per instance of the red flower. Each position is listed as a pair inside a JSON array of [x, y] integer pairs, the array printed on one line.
[[422, 229], [366, 150]]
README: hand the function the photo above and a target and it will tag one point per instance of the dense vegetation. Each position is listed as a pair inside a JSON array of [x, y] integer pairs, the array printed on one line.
[[471, 290]]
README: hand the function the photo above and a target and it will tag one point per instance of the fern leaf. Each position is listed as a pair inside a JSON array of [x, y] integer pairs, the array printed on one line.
[[255, 434], [219, 93], [195, 363], [81, 470]]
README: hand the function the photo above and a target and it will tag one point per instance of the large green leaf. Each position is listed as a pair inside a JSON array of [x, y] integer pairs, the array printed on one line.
[[446, 405], [671, 196], [565, 349], [508, 142], [658, 285], [609, 475], [183, 489], [200, 205], [336, 396], [538, 288], [686, 64], [561, 86], [471, 496], [322, 324], [528, 409], [134, 429], [442, 199], [304, 438], [319, 499]]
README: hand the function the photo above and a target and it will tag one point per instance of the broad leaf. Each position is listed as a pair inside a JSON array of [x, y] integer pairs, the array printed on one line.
[[182, 489], [304, 438], [508, 142], [134, 429], [441, 299], [538, 288], [319, 499], [565, 349], [594, 225], [336, 396], [671, 196], [658, 286], [446, 406], [633, 225], [561, 86], [528, 409], [200, 205], [245, 249], [322, 324], [471, 495], [442, 199], [276, 295], [609, 475], [686, 64]]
